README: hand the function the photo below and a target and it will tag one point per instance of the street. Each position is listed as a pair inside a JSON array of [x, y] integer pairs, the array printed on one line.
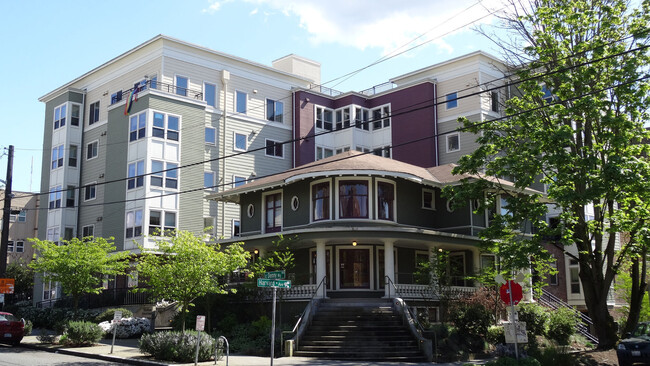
[[10, 356]]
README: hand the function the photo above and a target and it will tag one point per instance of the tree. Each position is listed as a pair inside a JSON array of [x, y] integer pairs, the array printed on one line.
[[185, 267], [78, 264], [280, 257], [23, 276], [576, 124]]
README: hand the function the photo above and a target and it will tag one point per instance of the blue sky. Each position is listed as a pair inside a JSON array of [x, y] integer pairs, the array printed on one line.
[[48, 43]]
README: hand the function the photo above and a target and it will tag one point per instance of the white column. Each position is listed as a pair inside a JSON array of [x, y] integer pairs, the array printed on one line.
[[320, 266], [389, 268]]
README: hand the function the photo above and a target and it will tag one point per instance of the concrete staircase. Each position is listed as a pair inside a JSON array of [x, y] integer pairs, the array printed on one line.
[[359, 329]]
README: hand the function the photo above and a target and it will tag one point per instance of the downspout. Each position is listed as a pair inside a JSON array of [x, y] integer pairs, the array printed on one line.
[[293, 121], [225, 77], [81, 161], [435, 121]]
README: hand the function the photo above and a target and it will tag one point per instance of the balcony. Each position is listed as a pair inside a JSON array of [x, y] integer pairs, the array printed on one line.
[[156, 85]]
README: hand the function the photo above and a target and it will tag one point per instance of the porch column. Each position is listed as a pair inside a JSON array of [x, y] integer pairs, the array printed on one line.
[[389, 268], [320, 266]]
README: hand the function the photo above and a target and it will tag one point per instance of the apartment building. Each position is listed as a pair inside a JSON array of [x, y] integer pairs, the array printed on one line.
[[22, 226], [132, 146]]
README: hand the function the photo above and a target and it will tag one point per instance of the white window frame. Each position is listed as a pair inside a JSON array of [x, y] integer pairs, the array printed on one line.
[[93, 107], [238, 181], [211, 186], [74, 158], [86, 187], [322, 152], [323, 110], [163, 216], [266, 141], [375, 197], [139, 176], [264, 213], [138, 127], [134, 226], [58, 196], [72, 116], [165, 127], [371, 196], [164, 174], [95, 150], [57, 122], [236, 104], [205, 94], [449, 100], [433, 199], [213, 142], [22, 216], [232, 231], [384, 118], [85, 228], [275, 118], [234, 141], [10, 246], [176, 87], [311, 200], [447, 144], [58, 158]]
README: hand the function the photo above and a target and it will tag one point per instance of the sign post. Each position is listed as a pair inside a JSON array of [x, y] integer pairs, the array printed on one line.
[[200, 325], [7, 285], [511, 293], [117, 316], [274, 280]]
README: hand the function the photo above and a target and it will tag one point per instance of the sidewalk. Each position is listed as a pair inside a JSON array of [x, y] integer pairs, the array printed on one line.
[[126, 351]]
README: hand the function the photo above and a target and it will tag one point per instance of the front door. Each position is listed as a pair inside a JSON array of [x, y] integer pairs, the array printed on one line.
[[354, 269]]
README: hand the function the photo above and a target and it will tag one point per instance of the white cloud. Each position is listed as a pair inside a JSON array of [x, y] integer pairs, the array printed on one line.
[[214, 6], [254, 11], [384, 24]]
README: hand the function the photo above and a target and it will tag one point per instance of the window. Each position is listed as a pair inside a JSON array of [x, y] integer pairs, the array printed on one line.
[[116, 97], [181, 85], [162, 223], [382, 151], [428, 199], [57, 156], [323, 152], [503, 207], [453, 142], [452, 100], [160, 175], [494, 101], [241, 102], [10, 246], [59, 116], [133, 224], [385, 201], [210, 135], [238, 181], [273, 212], [75, 115], [343, 118], [135, 174], [457, 269], [353, 199], [70, 195], [488, 263], [93, 116], [344, 149], [137, 127], [324, 118], [208, 180], [548, 94], [236, 227], [90, 192], [274, 110], [320, 198], [22, 216], [53, 234], [574, 272], [553, 277], [240, 142], [20, 246], [68, 233], [55, 197], [361, 119], [210, 94], [172, 126], [88, 230], [380, 117], [92, 150], [72, 155], [274, 148], [208, 225]]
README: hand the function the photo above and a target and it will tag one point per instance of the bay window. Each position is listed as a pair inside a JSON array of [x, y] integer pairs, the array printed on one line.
[[353, 199], [320, 198], [273, 216]]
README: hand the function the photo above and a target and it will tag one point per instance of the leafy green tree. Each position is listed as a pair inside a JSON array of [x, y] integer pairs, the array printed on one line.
[[577, 123], [78, 264], [623, 286], [23, 276], [280, 257], [184, 267]]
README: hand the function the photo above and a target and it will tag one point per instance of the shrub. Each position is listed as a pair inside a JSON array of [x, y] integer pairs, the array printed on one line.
[[109, 314], [48, 317], [536, 318], [508, 361], [472, 321], [177, 346], [81, 334], [562, 325], [495, 335], [127, 327], [551, 356], [28, 327]]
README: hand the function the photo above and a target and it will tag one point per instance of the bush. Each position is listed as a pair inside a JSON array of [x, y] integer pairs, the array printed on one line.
[[496, 335], [562, 325], [536, 318], [109, 314], [28, 327], [81, 334], [551, 356], [177, 346], [48, 317], [471, 321], [127, 327], [507, 361]]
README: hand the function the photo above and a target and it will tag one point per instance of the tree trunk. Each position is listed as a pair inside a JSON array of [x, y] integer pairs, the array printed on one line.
[[595, 291], [637, 292]]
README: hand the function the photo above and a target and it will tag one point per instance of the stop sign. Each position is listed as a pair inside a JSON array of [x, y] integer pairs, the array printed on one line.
[[517, 293]]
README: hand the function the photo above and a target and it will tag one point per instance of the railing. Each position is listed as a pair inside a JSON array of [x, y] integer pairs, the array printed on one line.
[[414, 291], [412, 320], [325, 90], [305, 317], [378, 88], [108, 297], [549, 300], [157, 85]]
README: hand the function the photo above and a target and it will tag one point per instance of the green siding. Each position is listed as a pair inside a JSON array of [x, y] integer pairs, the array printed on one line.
[[301, 215], [251, 224]]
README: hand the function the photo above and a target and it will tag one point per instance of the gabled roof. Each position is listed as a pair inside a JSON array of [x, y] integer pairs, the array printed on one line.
[[360, 164]]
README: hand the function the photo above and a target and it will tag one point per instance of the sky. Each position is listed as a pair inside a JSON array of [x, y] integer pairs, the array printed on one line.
[[49, 43]]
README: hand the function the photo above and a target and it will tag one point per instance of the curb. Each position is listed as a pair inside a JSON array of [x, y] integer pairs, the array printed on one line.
[[123, 360]]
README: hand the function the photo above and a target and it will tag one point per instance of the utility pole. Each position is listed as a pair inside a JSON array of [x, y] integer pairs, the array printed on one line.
[[6, 212]]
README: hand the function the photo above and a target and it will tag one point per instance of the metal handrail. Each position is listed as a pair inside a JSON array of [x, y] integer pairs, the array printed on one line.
[[555, 302], [216, 350], [397, 294], [310, 301]]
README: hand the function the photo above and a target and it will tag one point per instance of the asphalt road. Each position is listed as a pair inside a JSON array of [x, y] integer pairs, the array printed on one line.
[[13, 356]]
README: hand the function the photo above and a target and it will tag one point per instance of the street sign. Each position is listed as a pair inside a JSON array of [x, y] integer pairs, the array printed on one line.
[[515, 333], [200, 322], [117, 316], [515, 288], [263, 282], [7, 285], [275, 275]]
